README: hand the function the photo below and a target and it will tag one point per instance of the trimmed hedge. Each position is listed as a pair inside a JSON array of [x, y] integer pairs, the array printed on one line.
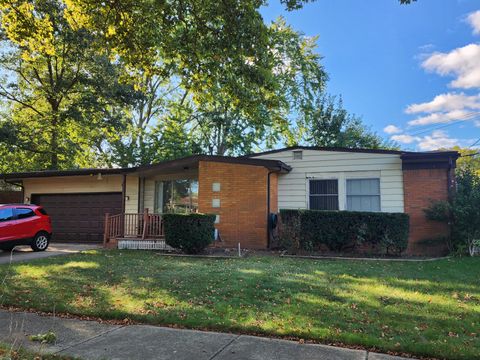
[[191, 233], [310, 230]]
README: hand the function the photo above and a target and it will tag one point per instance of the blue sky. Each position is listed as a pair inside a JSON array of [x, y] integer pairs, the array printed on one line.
[[412, 72]]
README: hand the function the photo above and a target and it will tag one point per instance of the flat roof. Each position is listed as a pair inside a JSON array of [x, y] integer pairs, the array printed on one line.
[[167, 166], [436, 153]]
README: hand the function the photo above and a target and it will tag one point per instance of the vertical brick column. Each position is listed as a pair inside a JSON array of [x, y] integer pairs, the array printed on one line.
[[421, 187], [243, 201]]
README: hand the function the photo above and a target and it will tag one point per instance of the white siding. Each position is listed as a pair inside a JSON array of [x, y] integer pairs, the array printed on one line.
[[293, 187], [84, 184]]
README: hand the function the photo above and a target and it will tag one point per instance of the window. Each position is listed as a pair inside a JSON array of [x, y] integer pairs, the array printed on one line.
[[363, 194], [297, 155], [324, 194], [6, 214], [24, 213], [176, 196], [43, 211]]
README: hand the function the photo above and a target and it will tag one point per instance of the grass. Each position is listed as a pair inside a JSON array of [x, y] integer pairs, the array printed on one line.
[[9, 353], [421, 308]]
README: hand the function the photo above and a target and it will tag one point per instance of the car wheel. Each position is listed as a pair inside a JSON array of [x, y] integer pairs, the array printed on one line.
[[40, 241]]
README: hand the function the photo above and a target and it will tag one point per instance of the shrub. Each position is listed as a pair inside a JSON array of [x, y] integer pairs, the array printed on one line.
[[191, 233], [462, 212], [383, 233]]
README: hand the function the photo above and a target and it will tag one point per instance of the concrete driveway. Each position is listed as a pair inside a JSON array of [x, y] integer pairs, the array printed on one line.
[[25, 253]]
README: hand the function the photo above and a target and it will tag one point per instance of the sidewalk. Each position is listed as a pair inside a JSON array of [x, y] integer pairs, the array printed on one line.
[[93, 340]]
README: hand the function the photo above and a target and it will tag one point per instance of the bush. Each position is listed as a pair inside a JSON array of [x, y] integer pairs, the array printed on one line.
[[310, 230], [461, 212], [191, 233]]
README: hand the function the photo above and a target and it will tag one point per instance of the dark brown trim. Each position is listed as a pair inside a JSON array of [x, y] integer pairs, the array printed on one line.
[[319, 148], [76, 172], [403, 154], [192, 161]]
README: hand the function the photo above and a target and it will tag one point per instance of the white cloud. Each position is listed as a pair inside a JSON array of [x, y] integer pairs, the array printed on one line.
[[392, 129], [437, 140], [446, 102], [463, 63], [405, 138], [441, 118], [474, 20]]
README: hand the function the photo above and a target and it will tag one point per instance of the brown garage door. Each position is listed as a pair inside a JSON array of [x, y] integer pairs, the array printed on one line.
[[79, 217]]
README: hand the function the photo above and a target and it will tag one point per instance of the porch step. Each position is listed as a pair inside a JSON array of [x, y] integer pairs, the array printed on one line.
[[146, 244]]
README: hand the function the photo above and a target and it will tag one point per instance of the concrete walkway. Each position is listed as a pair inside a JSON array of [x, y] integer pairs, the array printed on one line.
[[25, 253], [94, 340]]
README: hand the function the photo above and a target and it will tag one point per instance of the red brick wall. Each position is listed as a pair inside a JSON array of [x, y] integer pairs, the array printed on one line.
[[243, 201], [420, 188]]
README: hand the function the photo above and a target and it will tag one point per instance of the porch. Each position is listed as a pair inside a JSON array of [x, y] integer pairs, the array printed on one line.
[[139, 231], [240, 192]]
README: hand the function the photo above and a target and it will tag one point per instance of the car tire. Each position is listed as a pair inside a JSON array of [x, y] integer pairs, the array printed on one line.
[[40, 241]]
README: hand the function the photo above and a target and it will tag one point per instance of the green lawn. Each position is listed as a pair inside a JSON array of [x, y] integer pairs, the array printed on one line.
[[422, 308]]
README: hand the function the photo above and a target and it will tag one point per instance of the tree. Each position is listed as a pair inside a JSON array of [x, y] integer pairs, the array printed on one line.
[[462, 211], [328, 124], [63, 96], [469, 158], [223, 126]]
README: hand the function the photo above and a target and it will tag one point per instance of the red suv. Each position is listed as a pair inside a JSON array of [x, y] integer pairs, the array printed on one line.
[[24, 225]]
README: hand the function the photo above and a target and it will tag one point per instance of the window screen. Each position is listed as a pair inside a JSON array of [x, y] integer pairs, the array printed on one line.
[[324, 194], [24, 213], [6, 214], [363, 194]]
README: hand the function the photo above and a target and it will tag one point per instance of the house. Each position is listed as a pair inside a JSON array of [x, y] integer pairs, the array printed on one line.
[[243, 191]]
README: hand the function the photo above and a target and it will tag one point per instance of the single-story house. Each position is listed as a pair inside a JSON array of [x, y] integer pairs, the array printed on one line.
[[243, 191]]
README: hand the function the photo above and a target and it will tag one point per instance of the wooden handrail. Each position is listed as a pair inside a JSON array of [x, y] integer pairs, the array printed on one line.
[[133, 225]]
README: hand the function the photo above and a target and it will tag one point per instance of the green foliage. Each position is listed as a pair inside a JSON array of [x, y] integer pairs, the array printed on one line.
[[63, 96], [462, 211], [45, 338], [382, 233], [191, 233], [328, 124]]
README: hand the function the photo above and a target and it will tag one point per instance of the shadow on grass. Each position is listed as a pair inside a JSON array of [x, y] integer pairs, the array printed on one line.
[[390, 306]]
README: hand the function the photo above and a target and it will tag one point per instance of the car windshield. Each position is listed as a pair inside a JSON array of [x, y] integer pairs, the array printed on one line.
[[43, 211]]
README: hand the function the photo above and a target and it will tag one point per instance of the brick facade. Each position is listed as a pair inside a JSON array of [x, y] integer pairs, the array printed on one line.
[[243, 201], [421, 186]]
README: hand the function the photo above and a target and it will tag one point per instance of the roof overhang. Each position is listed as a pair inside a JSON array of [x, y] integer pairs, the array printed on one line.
[[56, 173], [429, 160], [191, 163], [164, 167]]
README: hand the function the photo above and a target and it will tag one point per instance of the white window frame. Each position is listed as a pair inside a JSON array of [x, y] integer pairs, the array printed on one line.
[[365, 178], [323, 178], [341, 177]]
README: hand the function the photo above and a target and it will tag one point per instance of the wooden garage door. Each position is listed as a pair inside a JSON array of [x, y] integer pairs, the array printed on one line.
[[79, 217]]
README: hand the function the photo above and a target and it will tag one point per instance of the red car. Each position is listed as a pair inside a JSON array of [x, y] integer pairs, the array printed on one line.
[[24, 224]]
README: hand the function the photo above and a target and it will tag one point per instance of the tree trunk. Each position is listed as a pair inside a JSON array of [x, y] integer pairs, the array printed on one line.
[[54, 139]]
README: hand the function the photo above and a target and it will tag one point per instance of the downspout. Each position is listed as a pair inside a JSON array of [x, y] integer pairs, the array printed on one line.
[[269, 227], [124, 192], [450, 177]]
